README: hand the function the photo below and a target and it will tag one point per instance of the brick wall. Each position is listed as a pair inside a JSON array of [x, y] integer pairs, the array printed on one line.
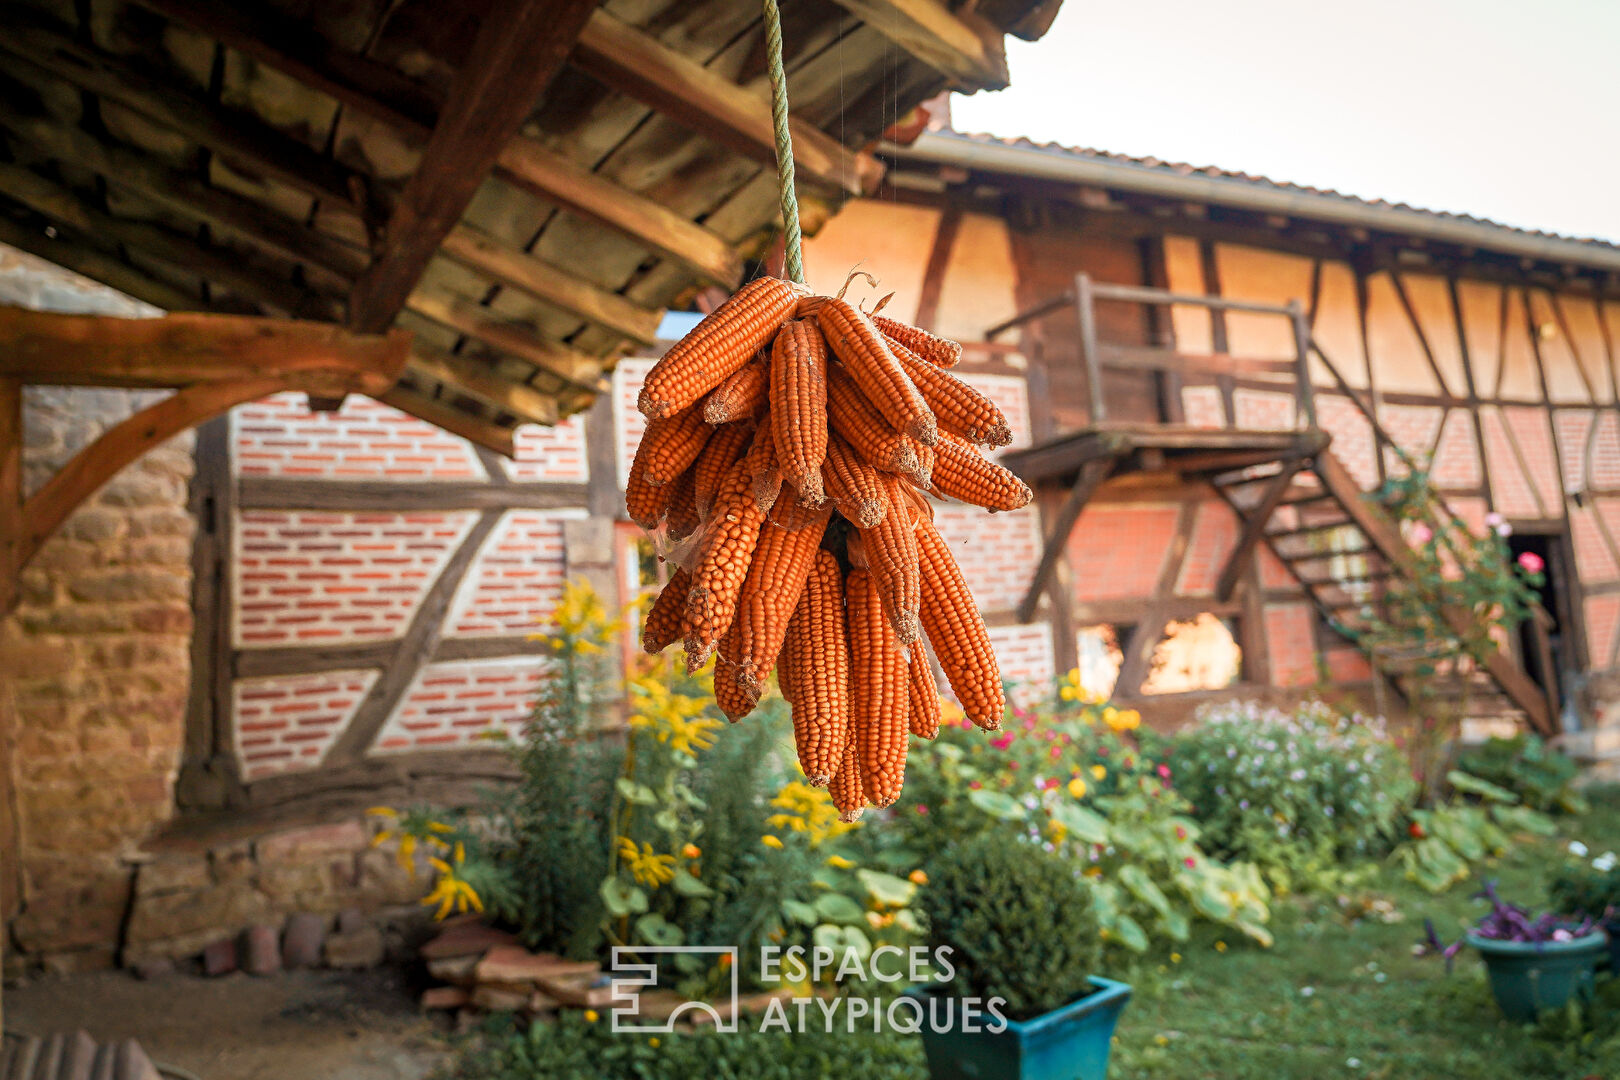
[[96, 658]]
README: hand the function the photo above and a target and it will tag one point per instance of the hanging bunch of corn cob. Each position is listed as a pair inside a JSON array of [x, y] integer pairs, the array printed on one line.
[[790, 444]]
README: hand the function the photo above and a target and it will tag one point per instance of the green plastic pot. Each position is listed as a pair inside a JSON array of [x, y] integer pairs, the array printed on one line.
[[1069, 1043], [1528, 977]]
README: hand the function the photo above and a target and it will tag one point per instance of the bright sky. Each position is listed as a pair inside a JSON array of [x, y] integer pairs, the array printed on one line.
[[1506, 109]]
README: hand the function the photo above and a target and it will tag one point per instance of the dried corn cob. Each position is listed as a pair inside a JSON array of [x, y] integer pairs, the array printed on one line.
[[871, 437], [816, 665], [941, 352], [922, 695], [956, 405], [868, 359], [725, 448], [950, 617], [891, 556], [878, 697], [848, 793], [856, 486], [723, 342], [740, 396], [735, 699], [961, 472], [681, 517], [669, 446], [799, 405], [663, 623], [764, 472], [808, 306], [644, 503], [776, 577], [784, 681], [727, 548]]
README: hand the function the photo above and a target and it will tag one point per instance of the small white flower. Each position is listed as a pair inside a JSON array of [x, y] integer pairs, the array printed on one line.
[[1605, 862], [1578, 849], [1354, 1063], [1307, 991]]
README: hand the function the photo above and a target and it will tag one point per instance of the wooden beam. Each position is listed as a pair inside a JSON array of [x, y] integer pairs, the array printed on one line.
[[736, 117], [1254, 527], [520, 46], [535, 168], [939, 260], [182, 193], [1092, 474], [454, 420], [89, 469], [477, 321], [239, 136], [223, 268], [963, 47], [84, 259], [301, 493], [479, 251], [11, 502], [478, 379], [177, 350]]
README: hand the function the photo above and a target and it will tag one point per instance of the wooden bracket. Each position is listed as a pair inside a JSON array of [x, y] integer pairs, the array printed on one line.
[[1091, 476], [1254, 527]]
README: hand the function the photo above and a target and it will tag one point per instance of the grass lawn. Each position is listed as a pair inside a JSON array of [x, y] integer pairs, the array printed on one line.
[[1340, 993]]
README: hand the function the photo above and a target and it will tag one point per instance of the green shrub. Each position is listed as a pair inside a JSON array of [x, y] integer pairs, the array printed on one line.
[[1294, 792], [1586, 886], [1019, 922], [573, 1048], [1543, 777]]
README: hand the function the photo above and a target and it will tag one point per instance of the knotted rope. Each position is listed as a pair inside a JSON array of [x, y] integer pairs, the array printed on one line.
[[794, 261]]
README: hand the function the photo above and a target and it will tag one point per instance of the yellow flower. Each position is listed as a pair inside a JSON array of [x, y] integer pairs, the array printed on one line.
[[1175, 958], [691, 851], [591, 1016], [677, 720], [1220, 946], [1122, 719], [1093, 871], [1098, 772], [839, 862], [1077, 788], [383, 811], [654, 1042], [451, 892], [917, 877], [646, 865], [809, 810], [580, 623], [771, 842], [1162, 1040]]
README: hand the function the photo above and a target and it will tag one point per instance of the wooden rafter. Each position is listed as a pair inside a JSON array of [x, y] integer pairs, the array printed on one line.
[[11, 504], [962, 46], [487, 326], [477, 378], [519, 48], [737, 117], [443, 414], [84, 258]]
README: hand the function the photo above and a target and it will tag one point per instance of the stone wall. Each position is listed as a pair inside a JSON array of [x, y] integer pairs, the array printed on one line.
[[94, 664]]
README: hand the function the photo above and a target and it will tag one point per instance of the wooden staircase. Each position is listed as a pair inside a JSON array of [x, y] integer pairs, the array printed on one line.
[[1346, 550]]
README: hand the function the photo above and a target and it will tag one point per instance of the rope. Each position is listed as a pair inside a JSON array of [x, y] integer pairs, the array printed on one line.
[[784, 144]]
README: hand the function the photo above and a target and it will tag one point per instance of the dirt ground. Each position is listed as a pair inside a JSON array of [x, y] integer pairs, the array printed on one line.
[[292, 1026]]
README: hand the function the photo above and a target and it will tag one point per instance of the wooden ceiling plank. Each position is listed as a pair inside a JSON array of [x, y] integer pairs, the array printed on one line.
[[536, 168], [479, 251], [474, 429], [49, 348], [640, 66], [82, 258], [183, 193], [359, 82], [476, 379], [962, 46], [46, 197], [480, 322], [520, 47], [239, 136]]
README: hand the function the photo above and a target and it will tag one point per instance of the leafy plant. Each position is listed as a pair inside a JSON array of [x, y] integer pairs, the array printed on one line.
[[1510, 922], [1542, 776], [1019, 923], [1447, 840], [1587, 886], [1297, 792]]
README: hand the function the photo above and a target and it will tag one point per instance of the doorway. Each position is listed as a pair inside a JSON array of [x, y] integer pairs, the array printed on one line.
[[1549, 641]]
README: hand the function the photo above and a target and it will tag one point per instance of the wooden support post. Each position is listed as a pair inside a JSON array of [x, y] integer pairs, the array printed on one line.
[[520, 46], [11, 502], [1254, 527], [1085, 307], [1302, 356], [1092, 474]]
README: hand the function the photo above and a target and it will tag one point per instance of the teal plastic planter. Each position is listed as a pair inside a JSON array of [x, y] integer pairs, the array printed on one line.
[[1069, 1043], [1528, 977]]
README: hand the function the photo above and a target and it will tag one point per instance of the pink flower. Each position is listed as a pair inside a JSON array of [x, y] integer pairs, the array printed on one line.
[[921, 809], [975, 785], [1050, 783], [1057, 752], [1001, 742], [1181, 832], [1421, 533], [1029, 723], [1190, 861], [1531, 563], [1164, 771]]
